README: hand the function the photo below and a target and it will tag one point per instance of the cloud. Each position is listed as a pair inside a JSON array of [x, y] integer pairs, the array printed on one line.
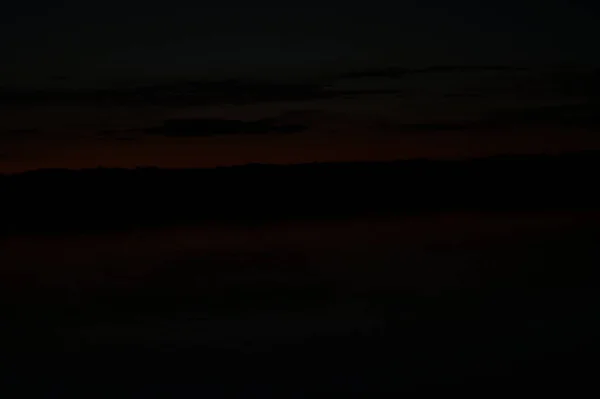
[[59, 78], [397, 72], [441, 127], [488, 78], [582, 115], [437, 127], [565, 116], [210, 92], [388, 72], [478, 81], [19, 132], [205, 127], [167, 94], [117, 134]]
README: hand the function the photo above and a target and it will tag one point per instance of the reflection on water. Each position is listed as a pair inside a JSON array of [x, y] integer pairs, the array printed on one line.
[[361, 250], [413, 288]]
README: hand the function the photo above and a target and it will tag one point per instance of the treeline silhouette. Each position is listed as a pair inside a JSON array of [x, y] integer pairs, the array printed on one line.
[[105, 198]]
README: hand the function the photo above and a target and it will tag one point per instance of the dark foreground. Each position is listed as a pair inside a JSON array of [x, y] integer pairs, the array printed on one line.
[[483, 303]]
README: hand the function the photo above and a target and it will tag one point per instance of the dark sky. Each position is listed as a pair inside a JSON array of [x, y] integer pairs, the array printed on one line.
[[354, 78], [86, 41]]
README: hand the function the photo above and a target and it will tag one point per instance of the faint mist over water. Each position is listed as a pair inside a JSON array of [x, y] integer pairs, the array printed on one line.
[[347, 249]]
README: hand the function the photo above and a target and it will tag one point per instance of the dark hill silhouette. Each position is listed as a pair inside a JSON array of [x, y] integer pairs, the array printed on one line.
[[52, 199]]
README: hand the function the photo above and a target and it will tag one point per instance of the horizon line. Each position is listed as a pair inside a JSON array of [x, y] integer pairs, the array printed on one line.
[[301, 164]]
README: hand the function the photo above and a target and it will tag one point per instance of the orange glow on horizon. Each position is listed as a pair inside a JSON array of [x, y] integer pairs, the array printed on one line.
[[286, 149]]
